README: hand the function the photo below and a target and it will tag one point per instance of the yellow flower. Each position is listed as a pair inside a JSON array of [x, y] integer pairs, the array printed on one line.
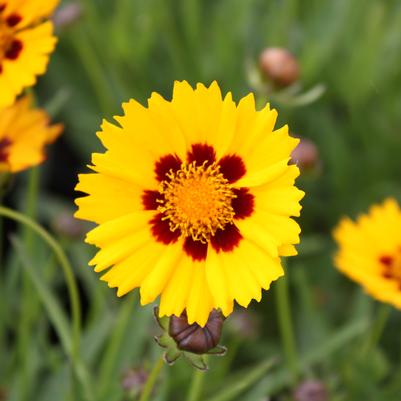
[[25, 44], [370, 251], [193, 199], [23, 134]]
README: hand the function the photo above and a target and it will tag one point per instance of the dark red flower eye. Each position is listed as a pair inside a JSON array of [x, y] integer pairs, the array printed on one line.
[[4, 145], [13, 20], [150, 199], [161, 230], [14, 49], [167, 164], [201, 153], [196, 249], [243, 204], [232, 167], [226, 239]]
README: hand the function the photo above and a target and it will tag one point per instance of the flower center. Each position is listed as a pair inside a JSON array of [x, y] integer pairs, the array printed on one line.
[[5, 37], [9, 46], [392, 266], [5, 143], [197, 200]]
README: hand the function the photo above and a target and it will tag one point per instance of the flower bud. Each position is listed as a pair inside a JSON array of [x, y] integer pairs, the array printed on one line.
[[67, 15], [279, 66], [311, 390], [305, 155], [65, 224], [194, 338], [244, 324], [133, 381]]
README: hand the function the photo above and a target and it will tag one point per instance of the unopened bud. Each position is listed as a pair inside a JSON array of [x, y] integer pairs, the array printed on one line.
[[279, 66], [244, 324], [194, 338], [133, 381], [305, 155], [67, 15], [65, 224], [311, 390]]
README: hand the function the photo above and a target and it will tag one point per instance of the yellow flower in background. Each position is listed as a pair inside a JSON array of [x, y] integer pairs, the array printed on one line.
[[25, 44], [193, 198], [370, 251], [24, 132]]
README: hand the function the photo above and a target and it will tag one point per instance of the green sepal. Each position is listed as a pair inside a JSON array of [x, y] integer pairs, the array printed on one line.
[[163, 340], [171, 355], [219, 350], [197, 361], [163, 322]]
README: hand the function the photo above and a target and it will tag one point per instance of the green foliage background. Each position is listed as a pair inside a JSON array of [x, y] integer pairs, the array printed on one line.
[[129, 48]]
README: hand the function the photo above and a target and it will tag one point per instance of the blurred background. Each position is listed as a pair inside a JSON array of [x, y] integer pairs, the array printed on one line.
[[343, 99]]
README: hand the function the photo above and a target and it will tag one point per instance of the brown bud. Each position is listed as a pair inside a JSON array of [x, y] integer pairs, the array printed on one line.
[[279, 66], [305, 155], [311, 390], [133, 380], [65, 224], [67, 15], [245, 324], [194, 338]]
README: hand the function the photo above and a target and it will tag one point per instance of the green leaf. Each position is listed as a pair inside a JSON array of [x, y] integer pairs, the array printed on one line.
[[50, 302]]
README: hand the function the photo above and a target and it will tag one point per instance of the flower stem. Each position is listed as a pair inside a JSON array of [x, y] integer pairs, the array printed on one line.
[[376, 329], [67, 269], [28, 302], [195, 390], [150, 383], [286, 326]]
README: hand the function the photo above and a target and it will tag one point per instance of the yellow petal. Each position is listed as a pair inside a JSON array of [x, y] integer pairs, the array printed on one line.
[[157, 279], [217, 281]]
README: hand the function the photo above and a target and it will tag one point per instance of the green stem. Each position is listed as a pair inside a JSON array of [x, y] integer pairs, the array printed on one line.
[[108, 364], [150, 383], [28, 301], [195, 390], [286, 326], [376, 329], [67, 270]]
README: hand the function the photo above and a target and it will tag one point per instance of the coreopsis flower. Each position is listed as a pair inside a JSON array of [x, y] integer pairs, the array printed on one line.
[[26, 40], [24, 132], [370, 251], [193, 198]]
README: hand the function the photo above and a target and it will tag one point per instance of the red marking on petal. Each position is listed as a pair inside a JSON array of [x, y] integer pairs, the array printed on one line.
[[232, 167], [227, 239], [14, 50], [4, 144], [386, 260], [13, 20], [2, 7], [1, 68], [243, 204], [161, 230], [165, 165], [150, 199], [196, 249], [201, 153]]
